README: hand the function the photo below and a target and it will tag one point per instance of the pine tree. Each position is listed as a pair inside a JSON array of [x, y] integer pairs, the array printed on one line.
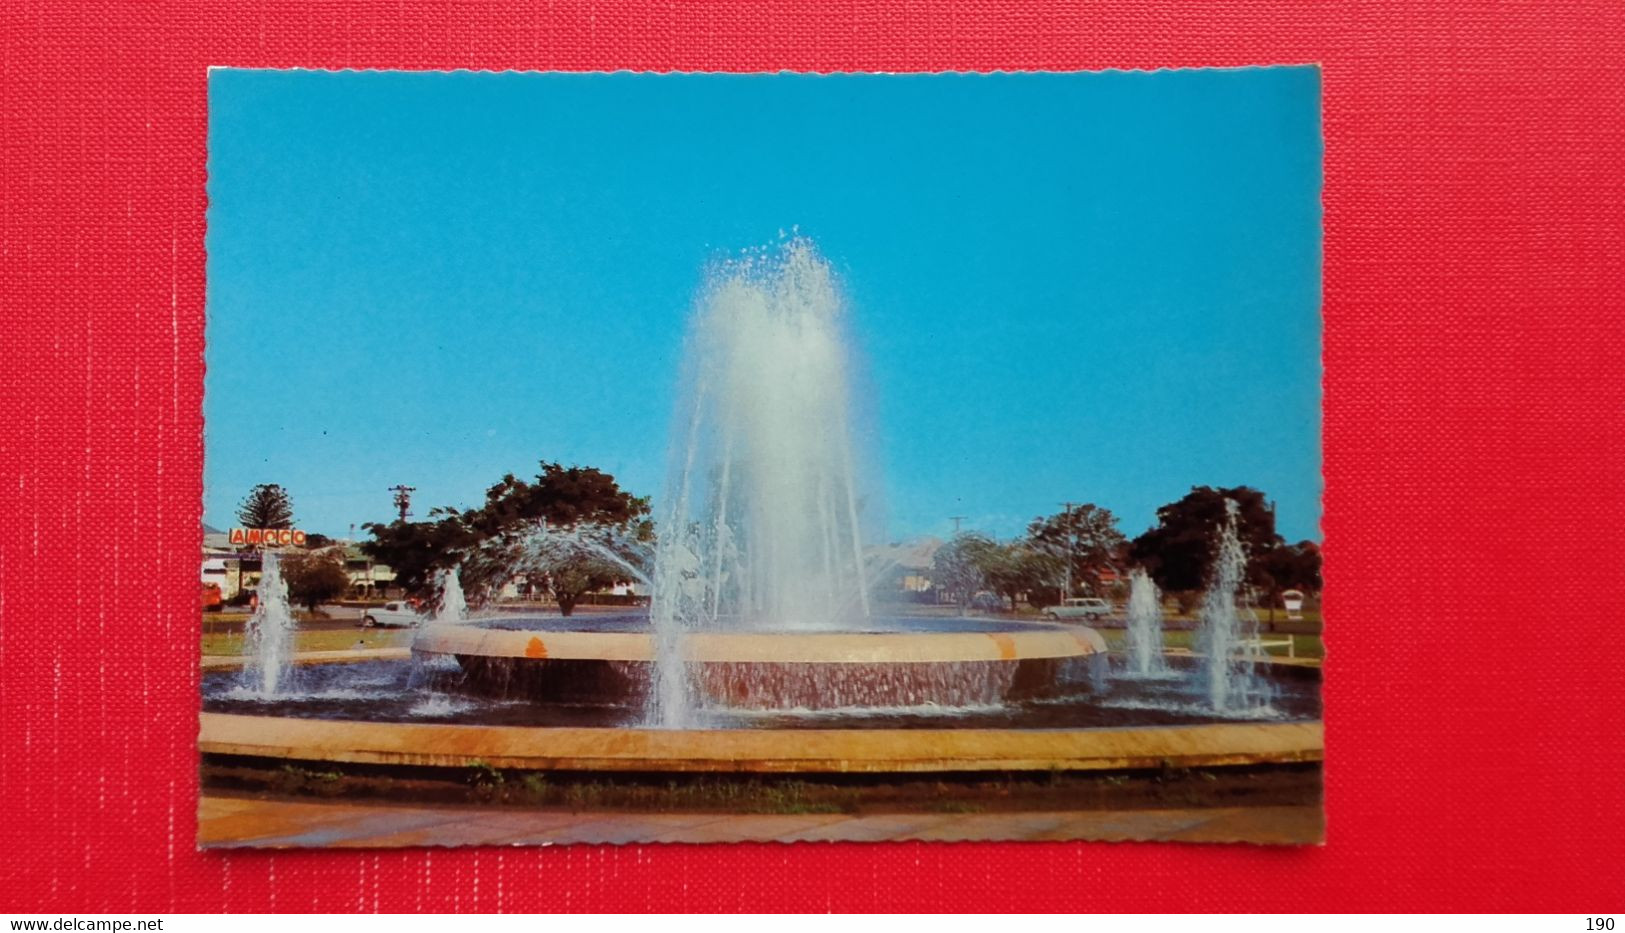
[[267, 506]]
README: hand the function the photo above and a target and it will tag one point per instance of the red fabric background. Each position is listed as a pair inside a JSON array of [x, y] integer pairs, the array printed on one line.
[[1474, 451]]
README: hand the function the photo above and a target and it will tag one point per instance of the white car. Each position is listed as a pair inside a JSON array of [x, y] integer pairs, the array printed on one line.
[[1082, 607], [398, 614]]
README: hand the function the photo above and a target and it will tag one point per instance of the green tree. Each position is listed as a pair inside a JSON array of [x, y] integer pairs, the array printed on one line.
[[266, 506], [973, 562], [1018, 568], [415, 550], [957, 567], [561, 531], [315, 577], [1086, 536], [561, 497], [568, 561], [1178, 552], [1291, 567]]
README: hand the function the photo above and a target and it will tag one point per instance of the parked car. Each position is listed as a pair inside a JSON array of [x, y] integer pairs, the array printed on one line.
[[396, 614], [1080, 607], [211, 596]]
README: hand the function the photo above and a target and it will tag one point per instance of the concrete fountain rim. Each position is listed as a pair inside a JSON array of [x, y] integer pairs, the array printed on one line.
[[1039, 641], [634, 749]]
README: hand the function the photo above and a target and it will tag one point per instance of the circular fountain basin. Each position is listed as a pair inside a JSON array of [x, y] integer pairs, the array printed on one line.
[[430, 712], [882, 663]]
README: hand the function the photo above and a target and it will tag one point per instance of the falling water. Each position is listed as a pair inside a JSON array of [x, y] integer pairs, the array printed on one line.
[[617, 549], [268, 637], [762, 523], [1144, 626], [1227, 628], [452, 607]]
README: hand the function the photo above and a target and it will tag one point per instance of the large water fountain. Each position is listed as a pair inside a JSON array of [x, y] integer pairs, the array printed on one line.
[[761, 614], [760, 587]]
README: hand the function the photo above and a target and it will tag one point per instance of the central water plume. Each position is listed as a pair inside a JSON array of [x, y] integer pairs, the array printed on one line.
[[762, 526]]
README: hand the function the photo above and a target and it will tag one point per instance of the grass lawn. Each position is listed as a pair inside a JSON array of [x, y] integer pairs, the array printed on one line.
[[1304, 646], [1310, 620], [231, 643]]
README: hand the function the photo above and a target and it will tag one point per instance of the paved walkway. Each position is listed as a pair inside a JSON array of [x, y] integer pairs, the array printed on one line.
[[245, 821]]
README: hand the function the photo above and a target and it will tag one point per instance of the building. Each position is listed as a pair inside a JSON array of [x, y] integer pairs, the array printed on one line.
[[906, 563], [237, 570]]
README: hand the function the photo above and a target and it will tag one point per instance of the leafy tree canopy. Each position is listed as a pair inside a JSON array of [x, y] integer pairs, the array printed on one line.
[[1018, 568], [415, 550], [1292, 567], [973, 562], [957, 567], [315, 577], [1087, 535], [1178, 552], [560, 496], [517, 530]]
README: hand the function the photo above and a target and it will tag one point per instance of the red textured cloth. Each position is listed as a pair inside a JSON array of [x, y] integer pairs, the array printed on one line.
[[1474, 452]]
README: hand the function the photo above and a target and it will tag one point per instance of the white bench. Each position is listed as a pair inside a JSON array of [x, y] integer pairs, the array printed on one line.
[[1255, 647]]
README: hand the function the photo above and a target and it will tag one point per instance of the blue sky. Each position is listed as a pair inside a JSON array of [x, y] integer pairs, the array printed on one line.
[[1085, 287]]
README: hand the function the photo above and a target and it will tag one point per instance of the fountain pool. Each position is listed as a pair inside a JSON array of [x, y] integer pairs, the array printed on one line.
[[598, 694]]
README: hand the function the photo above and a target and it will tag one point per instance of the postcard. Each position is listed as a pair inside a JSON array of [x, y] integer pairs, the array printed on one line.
[[693, 458]]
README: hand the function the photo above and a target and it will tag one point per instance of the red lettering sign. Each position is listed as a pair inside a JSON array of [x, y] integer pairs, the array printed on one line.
[[247, 537]]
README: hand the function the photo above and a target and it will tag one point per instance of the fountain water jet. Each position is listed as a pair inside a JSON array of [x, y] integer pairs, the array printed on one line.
[[1227, 629], [1145, 626], [268, 637], [452, 608]]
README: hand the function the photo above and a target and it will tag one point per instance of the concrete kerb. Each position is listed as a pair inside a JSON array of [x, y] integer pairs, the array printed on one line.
[[760, 750], [743, 751]]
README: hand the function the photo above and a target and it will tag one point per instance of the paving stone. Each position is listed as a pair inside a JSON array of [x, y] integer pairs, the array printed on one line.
[[619, 829], [1123, 825], [868, 828], [1267, 825], [752, 828], [965, 827], [250, 822]]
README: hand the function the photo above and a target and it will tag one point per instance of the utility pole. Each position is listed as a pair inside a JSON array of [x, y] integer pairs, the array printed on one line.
[[403, 499], [956, 520]]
